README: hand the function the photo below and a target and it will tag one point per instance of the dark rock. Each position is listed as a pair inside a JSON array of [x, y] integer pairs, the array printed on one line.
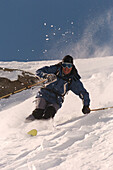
[[25, 80]]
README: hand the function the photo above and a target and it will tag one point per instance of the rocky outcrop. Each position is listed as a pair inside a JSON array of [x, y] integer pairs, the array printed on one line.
[[24, 80]]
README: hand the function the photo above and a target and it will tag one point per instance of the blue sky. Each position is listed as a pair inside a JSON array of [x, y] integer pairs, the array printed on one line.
[[41, 29]]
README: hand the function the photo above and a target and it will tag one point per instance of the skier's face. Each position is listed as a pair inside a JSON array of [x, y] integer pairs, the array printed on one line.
[[67, 67]]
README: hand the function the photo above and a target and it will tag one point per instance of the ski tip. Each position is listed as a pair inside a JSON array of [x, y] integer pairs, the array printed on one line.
[[32, 132]]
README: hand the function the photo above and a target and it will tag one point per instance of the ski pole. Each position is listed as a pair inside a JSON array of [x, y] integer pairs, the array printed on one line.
[[103, 108], [25, 88]]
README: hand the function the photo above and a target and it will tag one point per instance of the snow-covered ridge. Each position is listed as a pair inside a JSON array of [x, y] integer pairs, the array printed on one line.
[[72, 141], [12, 74]]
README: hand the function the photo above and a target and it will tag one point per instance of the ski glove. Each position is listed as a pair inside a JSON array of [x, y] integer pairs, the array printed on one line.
[[86, 109], [50, 77]]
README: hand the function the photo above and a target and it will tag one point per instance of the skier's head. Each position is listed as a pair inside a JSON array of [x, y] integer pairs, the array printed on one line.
[[67, 64], [67, 59]]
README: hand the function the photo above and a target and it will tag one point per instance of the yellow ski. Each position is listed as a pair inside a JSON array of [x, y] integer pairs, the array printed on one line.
[[32, 132]]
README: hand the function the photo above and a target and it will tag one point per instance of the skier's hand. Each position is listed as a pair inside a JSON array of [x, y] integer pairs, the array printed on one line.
[[50, 77], [86, 109]]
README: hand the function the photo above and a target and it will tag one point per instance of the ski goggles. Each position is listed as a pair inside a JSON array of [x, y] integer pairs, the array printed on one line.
[[69, 65]]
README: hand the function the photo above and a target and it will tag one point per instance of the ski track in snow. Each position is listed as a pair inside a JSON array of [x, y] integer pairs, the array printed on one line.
[[72, 141]]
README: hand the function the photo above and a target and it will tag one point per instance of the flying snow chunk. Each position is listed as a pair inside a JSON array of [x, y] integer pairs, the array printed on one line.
[[66, 32], [45, 24], [47, 39], [72, 23], [52, 26], [45, 51]]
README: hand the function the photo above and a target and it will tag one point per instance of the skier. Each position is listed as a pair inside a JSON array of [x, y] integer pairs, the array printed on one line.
[[61, 78]]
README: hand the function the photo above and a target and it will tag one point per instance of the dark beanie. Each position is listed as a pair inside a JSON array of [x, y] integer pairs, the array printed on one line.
[[67, 59]]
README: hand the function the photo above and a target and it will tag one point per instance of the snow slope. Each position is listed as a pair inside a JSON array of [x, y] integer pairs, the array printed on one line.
[[72, 141]]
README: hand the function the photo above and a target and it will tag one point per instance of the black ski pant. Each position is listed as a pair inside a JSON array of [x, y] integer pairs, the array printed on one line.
[[44, 110]]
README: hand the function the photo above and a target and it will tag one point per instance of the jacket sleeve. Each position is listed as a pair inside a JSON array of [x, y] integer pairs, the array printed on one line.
[[78, 88], [42, 72]]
